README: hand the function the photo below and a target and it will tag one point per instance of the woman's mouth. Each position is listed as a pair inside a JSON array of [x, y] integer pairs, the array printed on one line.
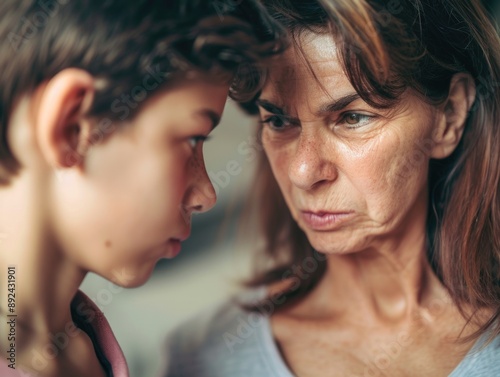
[[324, 221]]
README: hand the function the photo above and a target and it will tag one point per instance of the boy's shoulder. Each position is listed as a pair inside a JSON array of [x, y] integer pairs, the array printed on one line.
[[90, 319], [87, 317], [9, 371]]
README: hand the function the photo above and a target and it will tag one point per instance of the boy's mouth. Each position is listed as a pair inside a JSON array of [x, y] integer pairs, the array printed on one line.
[[175, 244], [174, 248]]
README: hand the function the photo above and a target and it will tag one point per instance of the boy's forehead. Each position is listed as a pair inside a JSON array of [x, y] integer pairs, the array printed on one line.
[[198, 96]]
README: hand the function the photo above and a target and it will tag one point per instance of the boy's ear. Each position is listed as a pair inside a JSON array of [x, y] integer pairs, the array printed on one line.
[[453, 115], [62, 131]]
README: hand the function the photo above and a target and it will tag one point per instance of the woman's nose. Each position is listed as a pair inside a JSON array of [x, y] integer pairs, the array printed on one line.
[[311, 164]]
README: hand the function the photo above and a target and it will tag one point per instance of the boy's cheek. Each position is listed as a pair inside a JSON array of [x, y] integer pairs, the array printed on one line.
[[112, 159]]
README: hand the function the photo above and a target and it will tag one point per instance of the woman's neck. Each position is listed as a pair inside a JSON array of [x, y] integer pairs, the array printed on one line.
[[386, 282], [382, 284]]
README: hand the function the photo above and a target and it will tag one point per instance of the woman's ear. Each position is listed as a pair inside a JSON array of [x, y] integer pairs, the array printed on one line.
[[62, 130], [453, 115]]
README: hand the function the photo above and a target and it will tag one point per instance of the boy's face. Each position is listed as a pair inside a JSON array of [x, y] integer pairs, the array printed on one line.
[[132, 201]]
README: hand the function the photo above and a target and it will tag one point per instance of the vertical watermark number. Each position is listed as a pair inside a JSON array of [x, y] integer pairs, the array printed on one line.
[[11, 316]]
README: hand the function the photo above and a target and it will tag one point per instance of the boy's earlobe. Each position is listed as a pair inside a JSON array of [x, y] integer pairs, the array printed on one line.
[[453, 116], [62, 129]]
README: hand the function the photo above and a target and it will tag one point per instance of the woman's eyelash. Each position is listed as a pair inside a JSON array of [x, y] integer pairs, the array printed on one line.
[[349, 119], [355, 120], [276, 122]]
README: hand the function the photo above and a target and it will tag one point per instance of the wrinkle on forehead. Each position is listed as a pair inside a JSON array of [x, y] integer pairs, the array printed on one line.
[[312, 51], [320, 46], [307, 74]]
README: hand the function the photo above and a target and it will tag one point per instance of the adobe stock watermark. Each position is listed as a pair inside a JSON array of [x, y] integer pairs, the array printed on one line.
[[29, 27], [87, 314], [423, 148], [392, 8], [484, 89], [223, 7], [248, 324], [123, 107], [389, 352], [247, 151], [139, 93]]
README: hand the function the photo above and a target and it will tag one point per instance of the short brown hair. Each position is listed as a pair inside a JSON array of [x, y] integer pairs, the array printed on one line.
[[123, 43]]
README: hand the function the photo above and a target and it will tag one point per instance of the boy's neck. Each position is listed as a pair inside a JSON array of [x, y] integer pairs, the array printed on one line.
[[45, 281]]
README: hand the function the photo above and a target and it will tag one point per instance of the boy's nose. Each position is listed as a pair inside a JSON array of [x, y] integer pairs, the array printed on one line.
[[204, 198], [201, 196]]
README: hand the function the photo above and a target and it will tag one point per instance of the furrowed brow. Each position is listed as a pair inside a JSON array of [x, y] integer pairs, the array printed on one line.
[[338, 104], [270, 107]]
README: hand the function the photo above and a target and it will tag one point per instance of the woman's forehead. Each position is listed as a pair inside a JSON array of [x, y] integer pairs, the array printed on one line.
[[310, 67], [317, 50], [319, 46]]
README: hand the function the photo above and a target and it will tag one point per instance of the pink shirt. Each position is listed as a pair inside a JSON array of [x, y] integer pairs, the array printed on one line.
[[87, 317]]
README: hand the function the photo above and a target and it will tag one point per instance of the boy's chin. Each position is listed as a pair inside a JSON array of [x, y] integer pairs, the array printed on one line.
[[131, 277]]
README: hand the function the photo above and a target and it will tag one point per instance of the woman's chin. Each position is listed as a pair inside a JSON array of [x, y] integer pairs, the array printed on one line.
[[332, 245]]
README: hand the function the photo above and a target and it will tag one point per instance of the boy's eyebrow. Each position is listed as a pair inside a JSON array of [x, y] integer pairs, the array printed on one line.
[[338, 104], [211, 115], [268, 106]]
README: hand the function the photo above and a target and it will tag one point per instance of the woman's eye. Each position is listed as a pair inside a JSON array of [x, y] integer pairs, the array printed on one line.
[[277, 123], [195, 140], [354, 120]]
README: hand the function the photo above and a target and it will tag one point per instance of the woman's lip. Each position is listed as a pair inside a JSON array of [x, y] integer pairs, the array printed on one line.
[[325, 220]]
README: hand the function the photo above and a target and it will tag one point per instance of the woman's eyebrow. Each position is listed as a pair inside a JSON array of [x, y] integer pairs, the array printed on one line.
[[338, 104], [330, 107], [270, 107]]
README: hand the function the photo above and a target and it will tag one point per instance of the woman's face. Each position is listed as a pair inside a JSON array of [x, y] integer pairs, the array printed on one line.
[[352, 175]]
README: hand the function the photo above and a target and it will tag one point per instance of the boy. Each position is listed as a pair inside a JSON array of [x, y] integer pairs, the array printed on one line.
[[104, 108]]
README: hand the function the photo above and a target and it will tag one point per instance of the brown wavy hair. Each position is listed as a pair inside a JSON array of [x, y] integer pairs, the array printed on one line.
[[386, 48], [121, 42]]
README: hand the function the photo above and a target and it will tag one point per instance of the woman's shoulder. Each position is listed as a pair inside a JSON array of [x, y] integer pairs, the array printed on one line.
[[216, 326], [226, 341], [482, 360]]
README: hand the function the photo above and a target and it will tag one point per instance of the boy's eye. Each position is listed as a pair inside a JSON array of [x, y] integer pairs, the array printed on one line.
[[195, 140]]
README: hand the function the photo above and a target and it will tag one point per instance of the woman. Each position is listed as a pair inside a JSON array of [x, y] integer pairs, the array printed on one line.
[[380, 197]]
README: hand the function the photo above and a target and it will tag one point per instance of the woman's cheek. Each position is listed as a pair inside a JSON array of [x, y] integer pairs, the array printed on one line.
[[373, 172]]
